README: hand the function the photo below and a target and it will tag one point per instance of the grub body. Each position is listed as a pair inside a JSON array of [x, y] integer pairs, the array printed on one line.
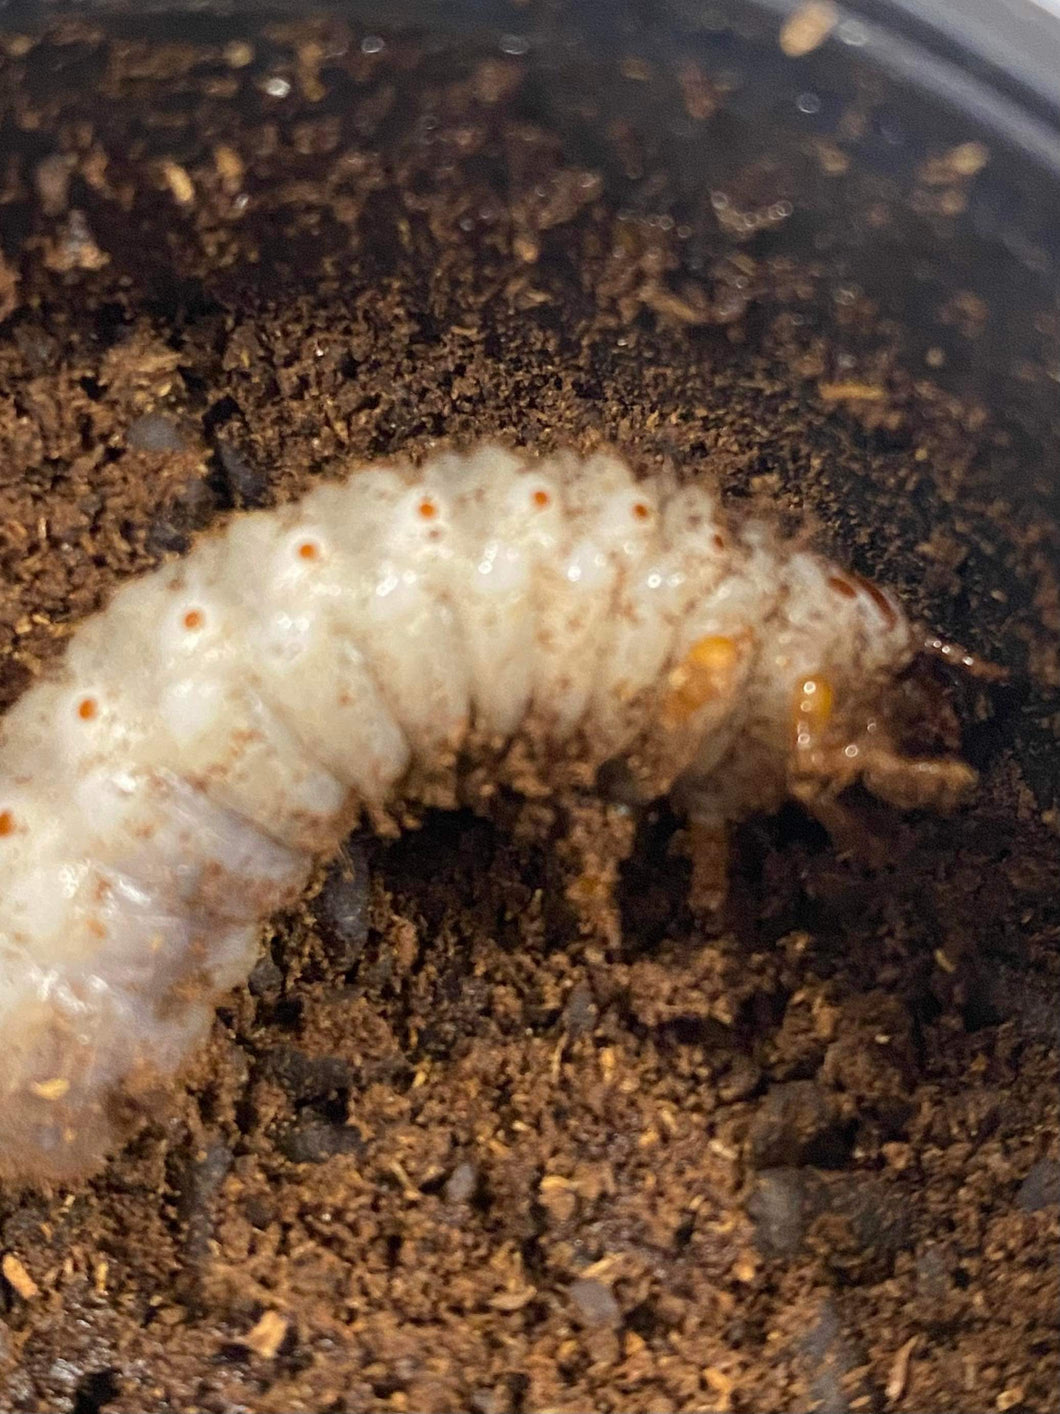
[[402, 633]]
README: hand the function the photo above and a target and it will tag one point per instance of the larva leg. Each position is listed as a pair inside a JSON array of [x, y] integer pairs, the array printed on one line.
[[710, 853], [911, 783], [597, 839], [847, 832], [705, 688], [696, 714]]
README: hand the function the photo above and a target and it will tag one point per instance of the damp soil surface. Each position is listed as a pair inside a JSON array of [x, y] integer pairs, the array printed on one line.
[[476, 1136]]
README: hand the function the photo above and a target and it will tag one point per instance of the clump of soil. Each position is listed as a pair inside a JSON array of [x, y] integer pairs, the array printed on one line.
[[462, 1143]]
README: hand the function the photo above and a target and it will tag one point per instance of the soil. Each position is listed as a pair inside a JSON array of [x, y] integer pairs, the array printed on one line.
[[462, 1144]]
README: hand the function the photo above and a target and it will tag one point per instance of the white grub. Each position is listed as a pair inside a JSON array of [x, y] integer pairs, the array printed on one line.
[[222, 725]]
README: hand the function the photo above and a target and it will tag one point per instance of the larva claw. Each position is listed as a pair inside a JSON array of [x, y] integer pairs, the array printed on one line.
[[955, 656]]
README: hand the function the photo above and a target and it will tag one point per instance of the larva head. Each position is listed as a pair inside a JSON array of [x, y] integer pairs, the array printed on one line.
[[858, 704], [879, 732]]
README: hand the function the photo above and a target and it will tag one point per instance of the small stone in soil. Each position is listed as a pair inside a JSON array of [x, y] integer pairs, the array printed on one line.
[[341, 908], [315, 1141], [782, 1204], [307, 1078], [1041, 1188], [266, 979], [580, 1014], [154, 432], [202, 1183], [791, 1122], [246, 484], [461, 1183], [595, 1302], [832, 1359]]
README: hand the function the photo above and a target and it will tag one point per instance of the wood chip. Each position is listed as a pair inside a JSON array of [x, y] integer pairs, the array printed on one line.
[[721, 1384], [808, 27], [238, 54], [960, 163], [179, 183], [513, 1300], [51, 1089], [17, 1276], [899, 1375], [229, 166], [266, 1337], [851, 392]]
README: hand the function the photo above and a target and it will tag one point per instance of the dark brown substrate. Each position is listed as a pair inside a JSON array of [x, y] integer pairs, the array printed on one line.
[[463, 1144]]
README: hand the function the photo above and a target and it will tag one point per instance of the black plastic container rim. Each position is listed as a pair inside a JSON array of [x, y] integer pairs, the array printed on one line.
[[1012, 44], [997, 62]]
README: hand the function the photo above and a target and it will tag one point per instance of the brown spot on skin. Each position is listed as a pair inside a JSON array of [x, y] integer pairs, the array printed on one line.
[[428, 510], [7, 823], [541, 499], [87, 709], [641, 510], [193, 620], [878, 597], [308, 550]]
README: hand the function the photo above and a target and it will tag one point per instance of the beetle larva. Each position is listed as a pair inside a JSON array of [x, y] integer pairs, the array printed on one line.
[[223, 723]]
